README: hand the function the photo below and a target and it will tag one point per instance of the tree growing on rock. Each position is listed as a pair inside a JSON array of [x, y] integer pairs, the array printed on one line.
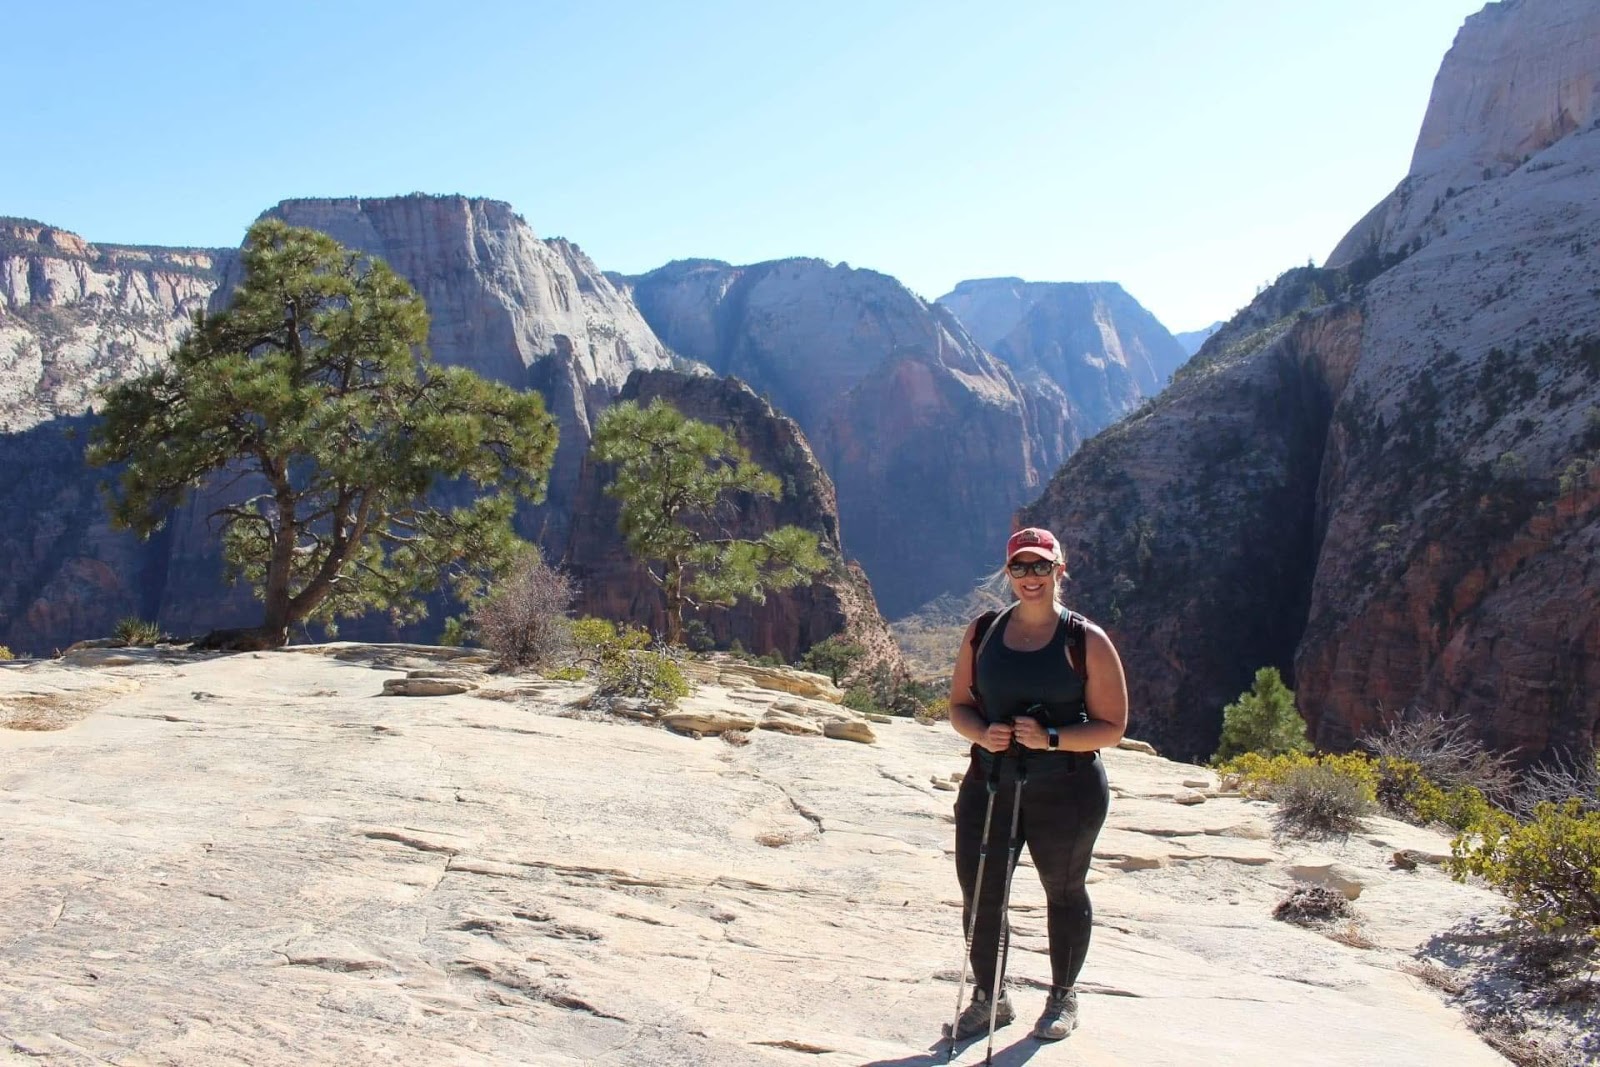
[[313, 398], [1263, 719], [677, 480]]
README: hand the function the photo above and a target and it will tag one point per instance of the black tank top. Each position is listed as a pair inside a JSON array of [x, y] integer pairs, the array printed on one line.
[[1009, 682]]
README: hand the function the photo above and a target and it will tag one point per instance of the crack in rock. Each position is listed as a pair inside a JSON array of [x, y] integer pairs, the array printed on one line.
[[420, 844], [796, 1046]]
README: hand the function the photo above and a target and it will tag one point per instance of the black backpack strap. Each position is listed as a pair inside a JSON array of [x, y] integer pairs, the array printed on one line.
[[1078, 642], [980, 634]]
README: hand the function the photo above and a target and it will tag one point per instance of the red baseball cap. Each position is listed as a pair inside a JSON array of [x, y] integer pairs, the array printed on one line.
[[1038, 541]]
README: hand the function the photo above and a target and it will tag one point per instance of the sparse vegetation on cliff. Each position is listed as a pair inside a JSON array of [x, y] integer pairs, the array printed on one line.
[[674, 476]]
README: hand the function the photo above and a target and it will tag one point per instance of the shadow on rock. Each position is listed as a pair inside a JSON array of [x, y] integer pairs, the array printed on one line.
[[1013, 1055]]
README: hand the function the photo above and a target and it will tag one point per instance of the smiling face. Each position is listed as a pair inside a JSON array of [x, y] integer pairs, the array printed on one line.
[[1032, 587]]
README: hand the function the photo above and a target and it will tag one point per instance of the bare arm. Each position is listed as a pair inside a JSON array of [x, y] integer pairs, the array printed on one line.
[[965, 717]]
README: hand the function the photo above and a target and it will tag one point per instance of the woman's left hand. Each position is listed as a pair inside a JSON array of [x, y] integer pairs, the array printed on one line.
[[1030, 733]]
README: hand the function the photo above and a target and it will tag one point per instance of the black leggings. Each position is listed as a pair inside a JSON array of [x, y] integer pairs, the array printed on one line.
[[1064, 804]]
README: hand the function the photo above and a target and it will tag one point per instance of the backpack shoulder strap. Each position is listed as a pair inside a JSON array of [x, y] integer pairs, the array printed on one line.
[[985, 630], [1078, 642], [980, 634]]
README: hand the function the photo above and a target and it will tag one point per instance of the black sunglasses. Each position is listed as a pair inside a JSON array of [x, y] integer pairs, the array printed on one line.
[[1039, 568]]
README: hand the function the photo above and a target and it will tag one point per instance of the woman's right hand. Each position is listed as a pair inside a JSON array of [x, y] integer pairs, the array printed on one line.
[[997, 738]]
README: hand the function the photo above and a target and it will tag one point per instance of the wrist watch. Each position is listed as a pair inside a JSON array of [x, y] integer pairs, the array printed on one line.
[[1054, 735]]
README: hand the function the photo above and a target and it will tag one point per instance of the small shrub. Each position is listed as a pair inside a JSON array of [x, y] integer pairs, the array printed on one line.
[[5, 653], [135, 631], [836, 657], [860, 698], [1411, 795], [1319, 798], [624, 665], [566, 674], [522, 618], [1436, 975], [1350, 933], [697, 636], [1307, 905], [1566, 777], [1263, 720], [935, 710], [1447, 753], [1548, 866], [1258, 776]]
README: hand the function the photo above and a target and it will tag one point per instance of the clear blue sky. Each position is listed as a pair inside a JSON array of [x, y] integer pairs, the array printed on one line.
[[1190, 149]]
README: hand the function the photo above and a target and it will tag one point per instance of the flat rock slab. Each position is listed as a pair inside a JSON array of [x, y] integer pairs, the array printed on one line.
[[289, 872]]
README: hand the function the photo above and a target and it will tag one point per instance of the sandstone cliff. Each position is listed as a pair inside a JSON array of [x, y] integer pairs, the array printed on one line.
[[611, 584], [929, 440], [1100, 349], [74, 316], [1384, 475]]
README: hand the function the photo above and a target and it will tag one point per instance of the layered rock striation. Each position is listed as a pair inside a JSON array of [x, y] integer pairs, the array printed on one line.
[[930, 441], [1384, 476], [75, 316], [612, 583]]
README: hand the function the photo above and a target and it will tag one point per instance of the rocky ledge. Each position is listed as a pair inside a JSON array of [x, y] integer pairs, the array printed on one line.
[[255, 857]]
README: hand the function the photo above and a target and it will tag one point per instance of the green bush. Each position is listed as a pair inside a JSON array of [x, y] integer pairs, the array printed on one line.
[[1405, 790], [5, 653], [1263, 720], [135, 631], [836, 657], [624, 665], [1260, 776], [1548, 866]]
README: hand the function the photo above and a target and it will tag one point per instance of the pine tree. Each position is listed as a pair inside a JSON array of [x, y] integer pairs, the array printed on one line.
[[675, 479], [311, 396], [1263, 719]]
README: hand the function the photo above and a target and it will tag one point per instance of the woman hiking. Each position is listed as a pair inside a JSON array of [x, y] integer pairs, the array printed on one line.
[[1040, 687]]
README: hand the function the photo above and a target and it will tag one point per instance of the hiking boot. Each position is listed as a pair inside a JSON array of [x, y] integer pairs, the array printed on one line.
[[975, 1020], [1059, 1017]]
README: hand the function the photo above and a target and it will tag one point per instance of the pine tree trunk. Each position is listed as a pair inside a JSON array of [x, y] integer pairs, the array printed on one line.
[[673, 588]]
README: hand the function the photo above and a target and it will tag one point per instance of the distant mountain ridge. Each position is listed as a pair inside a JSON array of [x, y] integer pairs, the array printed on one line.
[[1091, 340]]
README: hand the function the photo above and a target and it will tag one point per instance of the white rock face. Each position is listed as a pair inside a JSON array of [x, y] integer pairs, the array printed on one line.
[[76, 316], [249, 858], [1521, 76], [500, 298]]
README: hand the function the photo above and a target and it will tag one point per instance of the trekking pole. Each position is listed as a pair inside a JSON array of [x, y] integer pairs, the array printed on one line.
[[1003, 942], [977, 889]]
